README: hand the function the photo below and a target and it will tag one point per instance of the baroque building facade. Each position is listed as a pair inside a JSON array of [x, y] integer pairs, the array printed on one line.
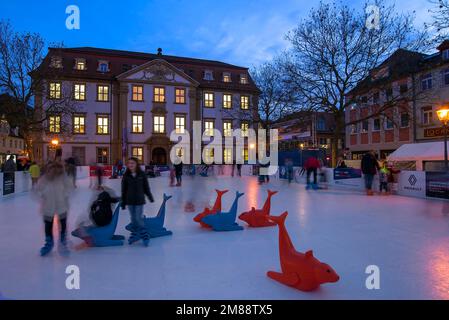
[[124, 103]]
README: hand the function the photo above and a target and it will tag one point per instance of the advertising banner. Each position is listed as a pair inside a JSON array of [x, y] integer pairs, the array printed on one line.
[[107, 171], [437, 184], [347, 173], [412, 183], [8, 183]]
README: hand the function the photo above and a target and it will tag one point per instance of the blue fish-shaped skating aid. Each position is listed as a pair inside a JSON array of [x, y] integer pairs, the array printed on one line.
[[225, 221]]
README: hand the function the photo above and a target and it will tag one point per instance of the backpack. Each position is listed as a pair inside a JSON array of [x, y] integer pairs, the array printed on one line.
[[100, 210]]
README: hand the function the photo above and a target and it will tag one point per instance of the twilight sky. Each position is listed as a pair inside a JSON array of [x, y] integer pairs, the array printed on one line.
[[242, 32]]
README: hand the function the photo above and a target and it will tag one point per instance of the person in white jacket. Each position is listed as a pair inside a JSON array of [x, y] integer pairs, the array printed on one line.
[[54, 189]]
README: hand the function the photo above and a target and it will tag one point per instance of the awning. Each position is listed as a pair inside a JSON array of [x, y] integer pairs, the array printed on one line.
[[427, 151]]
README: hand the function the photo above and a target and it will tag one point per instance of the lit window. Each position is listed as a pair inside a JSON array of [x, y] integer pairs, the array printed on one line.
[[245, 154], [208, 75], [54, 90], [79, 124], [209, 155], [226, 77], [180, 124], [180, 95], [137, 92], [80, 64], [365, 126], [159, 94], [427, 116], [137, 123], [227, 128], [244, 127], [244, 102], [354, 128], [102, 124], [137, 152], [158, 124], [243, 79], [227, 155], [103, 93], [209, 99], [103, 66], [227, 101], [54, 124], [209, 128], [102, 155], [56, 62], [79, 91]]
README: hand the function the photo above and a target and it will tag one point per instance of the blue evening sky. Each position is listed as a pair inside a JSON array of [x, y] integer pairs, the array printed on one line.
[[242, 32]]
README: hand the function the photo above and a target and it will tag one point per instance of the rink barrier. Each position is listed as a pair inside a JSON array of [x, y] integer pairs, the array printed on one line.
[[19, 184]]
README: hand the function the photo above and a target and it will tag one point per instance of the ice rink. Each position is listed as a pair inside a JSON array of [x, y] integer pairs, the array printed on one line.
[[407, 238]]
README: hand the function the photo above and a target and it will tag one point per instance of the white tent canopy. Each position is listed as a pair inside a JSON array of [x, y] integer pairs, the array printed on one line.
[[427, 151]]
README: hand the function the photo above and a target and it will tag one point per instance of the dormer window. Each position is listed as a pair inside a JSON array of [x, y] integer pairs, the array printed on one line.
[[80, 64], [56, 62], [226, 77], [445, 54], [243, 78], [208, 75], [103, 66]]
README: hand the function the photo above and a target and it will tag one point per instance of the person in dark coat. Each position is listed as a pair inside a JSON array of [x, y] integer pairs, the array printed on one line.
[[178, 173], [370, 167], [135, 187], [10, 165]]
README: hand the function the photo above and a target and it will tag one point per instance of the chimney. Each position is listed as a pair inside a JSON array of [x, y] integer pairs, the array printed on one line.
[[159, 51]]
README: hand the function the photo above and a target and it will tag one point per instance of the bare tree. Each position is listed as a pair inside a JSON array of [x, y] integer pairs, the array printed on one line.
[[21, 54], [276, 99], [440, 17], [334, 49]]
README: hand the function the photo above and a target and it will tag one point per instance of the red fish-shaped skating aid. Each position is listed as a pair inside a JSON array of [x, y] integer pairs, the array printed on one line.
[[299, 270], [216, 208], [259, 217]]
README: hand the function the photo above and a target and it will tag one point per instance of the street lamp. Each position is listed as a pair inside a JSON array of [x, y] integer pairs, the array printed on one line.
[[54, 142], [443, 116]]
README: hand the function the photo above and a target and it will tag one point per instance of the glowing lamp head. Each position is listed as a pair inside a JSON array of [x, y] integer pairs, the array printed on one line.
[[252, 146], [443, 115], [55, 142]]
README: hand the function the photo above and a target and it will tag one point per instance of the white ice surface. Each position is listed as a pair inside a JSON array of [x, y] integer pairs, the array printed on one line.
[[407, 238]]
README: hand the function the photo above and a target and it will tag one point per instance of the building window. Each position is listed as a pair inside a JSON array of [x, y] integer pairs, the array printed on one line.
[[426, 82], [79, 91], [446, 54], [79, 124], [405, 120], [180, 95], [376, 97], [137, 152], [389, 93], [103, 93], [321, 124], [180, 124], [208, 75], [209, 99], [56, 62], [389, 124], [103, 66], [137, 123], [403, 88], [445, 75], [244, 127], [243, 78], [365, 126], [227, 128], [137, 93], [54, 124], [226, 77], [209, 155], [209, 128], [54, 90], [376, 124], [245, 154], [159, 124], [159, 94], [244, 102], [102, 155], [354, 128], [227, 101], [102, 124], [427, 116], [80, 64], [227, 155]]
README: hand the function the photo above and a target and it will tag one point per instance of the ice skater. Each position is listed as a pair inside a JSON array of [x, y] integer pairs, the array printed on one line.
[[54, 189], [135, 187], [370, 166], [178, 173], [311, 166], [383, 179]]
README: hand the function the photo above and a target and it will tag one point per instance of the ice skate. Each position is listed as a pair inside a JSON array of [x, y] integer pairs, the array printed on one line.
[[48, 246]]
